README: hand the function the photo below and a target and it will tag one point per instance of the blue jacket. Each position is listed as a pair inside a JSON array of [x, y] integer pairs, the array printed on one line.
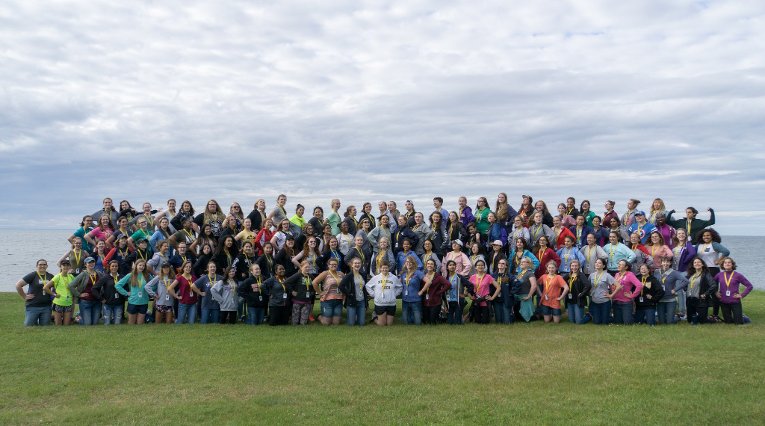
[[497, 232], [409, 292], [582, 240], [401, 258], [644, 232]]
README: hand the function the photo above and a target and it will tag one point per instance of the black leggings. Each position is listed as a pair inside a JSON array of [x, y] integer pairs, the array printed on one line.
[[697, 310], [228, 317], [732, 313], [431, 314], [277, 315]]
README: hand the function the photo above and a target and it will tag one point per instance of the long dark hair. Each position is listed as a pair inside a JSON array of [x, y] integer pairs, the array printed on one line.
[[692, 269]]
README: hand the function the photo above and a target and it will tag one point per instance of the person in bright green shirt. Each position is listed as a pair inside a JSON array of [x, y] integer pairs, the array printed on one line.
[[58, 287], [297, 219], [482, 216]]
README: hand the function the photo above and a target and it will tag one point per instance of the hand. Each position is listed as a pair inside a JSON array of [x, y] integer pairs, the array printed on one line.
[[84, 295], [294, 294], [648, 296], [56, 296], [526, 298], [737, 296], [490, 298], [709, 209], [627, 294], [178, 296], [673, 292], [703, 296], [719, 296], [29, 297], [255, 288]]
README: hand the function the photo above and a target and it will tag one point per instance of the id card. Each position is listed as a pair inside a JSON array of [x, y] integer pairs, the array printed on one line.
[[260, 298], [167, 297], [641, 300], [140, 294], [307, 295], [570, 296], [284, 296], [546, 297], [427, 296], [727, 293]]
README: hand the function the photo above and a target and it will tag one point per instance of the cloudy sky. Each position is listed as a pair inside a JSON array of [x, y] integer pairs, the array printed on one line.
[[372, 100]]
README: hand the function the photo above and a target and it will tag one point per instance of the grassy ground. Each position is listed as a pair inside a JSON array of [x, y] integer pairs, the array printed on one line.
[[527, 373]]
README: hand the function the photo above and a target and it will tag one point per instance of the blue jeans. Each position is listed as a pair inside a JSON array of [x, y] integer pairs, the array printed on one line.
[[255, 315], [682, 306], [502, 313], [575, 313], [356, 313], [601, 312], [186, 310], [210, 315], [455, 312], [646, 315], [37, 315], [666, 312], [89, 312], [412, 312], [112, 314], [623, 313]]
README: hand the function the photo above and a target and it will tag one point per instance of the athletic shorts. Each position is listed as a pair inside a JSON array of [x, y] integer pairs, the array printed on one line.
[[390, 310], [137, 309], [61, 309]]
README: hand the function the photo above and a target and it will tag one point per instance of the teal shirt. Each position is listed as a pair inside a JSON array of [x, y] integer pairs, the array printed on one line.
[[334, 222], [81, 233], [138, 295]]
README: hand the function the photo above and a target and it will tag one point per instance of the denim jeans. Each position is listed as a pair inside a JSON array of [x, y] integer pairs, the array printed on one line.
[[210, 316], [646, 315], [623, 313], [502, 313], [186, 310], [601, 312], [666, 312], [255, 315], [455, 312], [682, 306], [37, 315], [89, 312], [412, 312], [112, 314], [356, 313], [575, 313]]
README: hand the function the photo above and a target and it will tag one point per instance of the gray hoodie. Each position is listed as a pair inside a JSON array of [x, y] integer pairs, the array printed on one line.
[[384, 289], [159, 292], [225, 294]]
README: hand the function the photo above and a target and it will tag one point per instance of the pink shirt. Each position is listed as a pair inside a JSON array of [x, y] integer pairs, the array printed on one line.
[[463, 263], [630, 284]]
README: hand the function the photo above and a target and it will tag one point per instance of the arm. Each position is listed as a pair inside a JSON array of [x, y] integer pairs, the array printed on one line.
[[20, 290], [151, 287], [296, 259], [171, 290], [533, 289], [564, 286], [120, 287], [74, 286], [638, 286], [721, 249], [318, 280], [215, 291], [745, 282], [533, 258]]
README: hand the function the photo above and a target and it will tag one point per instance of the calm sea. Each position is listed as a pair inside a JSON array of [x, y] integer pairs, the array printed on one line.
[[20, 249]]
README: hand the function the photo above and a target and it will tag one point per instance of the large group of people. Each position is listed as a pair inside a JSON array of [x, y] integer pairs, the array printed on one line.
[[178, 265]]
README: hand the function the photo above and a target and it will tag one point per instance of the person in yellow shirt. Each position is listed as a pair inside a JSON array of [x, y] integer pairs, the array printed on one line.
[[58, 287]]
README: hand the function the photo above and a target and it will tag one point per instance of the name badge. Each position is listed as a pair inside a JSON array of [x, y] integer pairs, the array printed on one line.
[[307, 295], [427, 296], [546, 298], [167, 297], [727, 293], [284, 296], [570, 296], [140, 294], [641, 300], [260, 298]]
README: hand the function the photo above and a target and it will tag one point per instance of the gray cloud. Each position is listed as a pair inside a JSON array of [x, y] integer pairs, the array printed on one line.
[[370, 100]]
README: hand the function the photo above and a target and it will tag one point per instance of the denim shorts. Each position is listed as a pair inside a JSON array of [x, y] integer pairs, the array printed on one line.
[[137, 309], [332, 308], [546, 310]]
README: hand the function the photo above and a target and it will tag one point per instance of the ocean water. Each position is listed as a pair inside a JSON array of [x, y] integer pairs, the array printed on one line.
[[20, 249]]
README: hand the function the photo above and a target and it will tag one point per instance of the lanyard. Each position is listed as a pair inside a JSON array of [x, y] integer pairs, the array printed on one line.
[[361, 254], [728, 279], [307, 282], [694, 280], [77, 256]]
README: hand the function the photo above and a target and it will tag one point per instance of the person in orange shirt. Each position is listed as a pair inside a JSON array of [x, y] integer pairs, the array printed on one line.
[[552, 289]]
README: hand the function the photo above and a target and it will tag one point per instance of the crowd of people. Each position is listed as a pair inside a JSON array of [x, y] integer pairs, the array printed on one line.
[[482, 264]]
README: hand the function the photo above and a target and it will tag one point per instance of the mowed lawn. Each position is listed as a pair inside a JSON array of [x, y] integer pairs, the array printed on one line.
[[522, 373]]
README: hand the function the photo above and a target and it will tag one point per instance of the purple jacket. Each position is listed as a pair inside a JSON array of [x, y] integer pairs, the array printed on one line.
[[466, 216], [728, 291], [686, 254]]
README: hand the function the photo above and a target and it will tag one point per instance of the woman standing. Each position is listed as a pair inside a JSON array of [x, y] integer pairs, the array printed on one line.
[[454, 228], [82, 288], [521, 232], [482, 283], [568, 253], [482, 216], [603, 289], [251, 289], [701, 288], [37, 303], [186, 296], [650, 294], [86, 226], [617, 252], [712, 253], [591, 252], [352, 287], [554, 289], [225, 293], [162, 233], [366, 213], [280, 237], [541, 207], [106, 291], [278, 297], [428, 254], [537, 230], [657, 208], [384, 288], [579, 288], [327, 286], [310, 254], [503, 306], [674, 284], [433, 289], [138, 299], [729, 294], [544, 254], [458, 290], [159, 289], [411, 299], [58, 288], [209, 308], [630, 289]]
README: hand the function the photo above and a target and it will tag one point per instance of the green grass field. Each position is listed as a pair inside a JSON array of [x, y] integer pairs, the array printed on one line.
[[522, 373]]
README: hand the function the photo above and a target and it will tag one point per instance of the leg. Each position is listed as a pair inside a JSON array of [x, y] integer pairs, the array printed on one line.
[[67, 317], [417, 313], [627, 313], [382, 319], [650, 314], [361, 312], [295, 314], [351, 315], [738, 313], [571, 313], [182, 311], [727, 313]]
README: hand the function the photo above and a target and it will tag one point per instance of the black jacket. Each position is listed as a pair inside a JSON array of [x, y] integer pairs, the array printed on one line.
[[348, 288], [578, 290], [252, 298], [651, 287]]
